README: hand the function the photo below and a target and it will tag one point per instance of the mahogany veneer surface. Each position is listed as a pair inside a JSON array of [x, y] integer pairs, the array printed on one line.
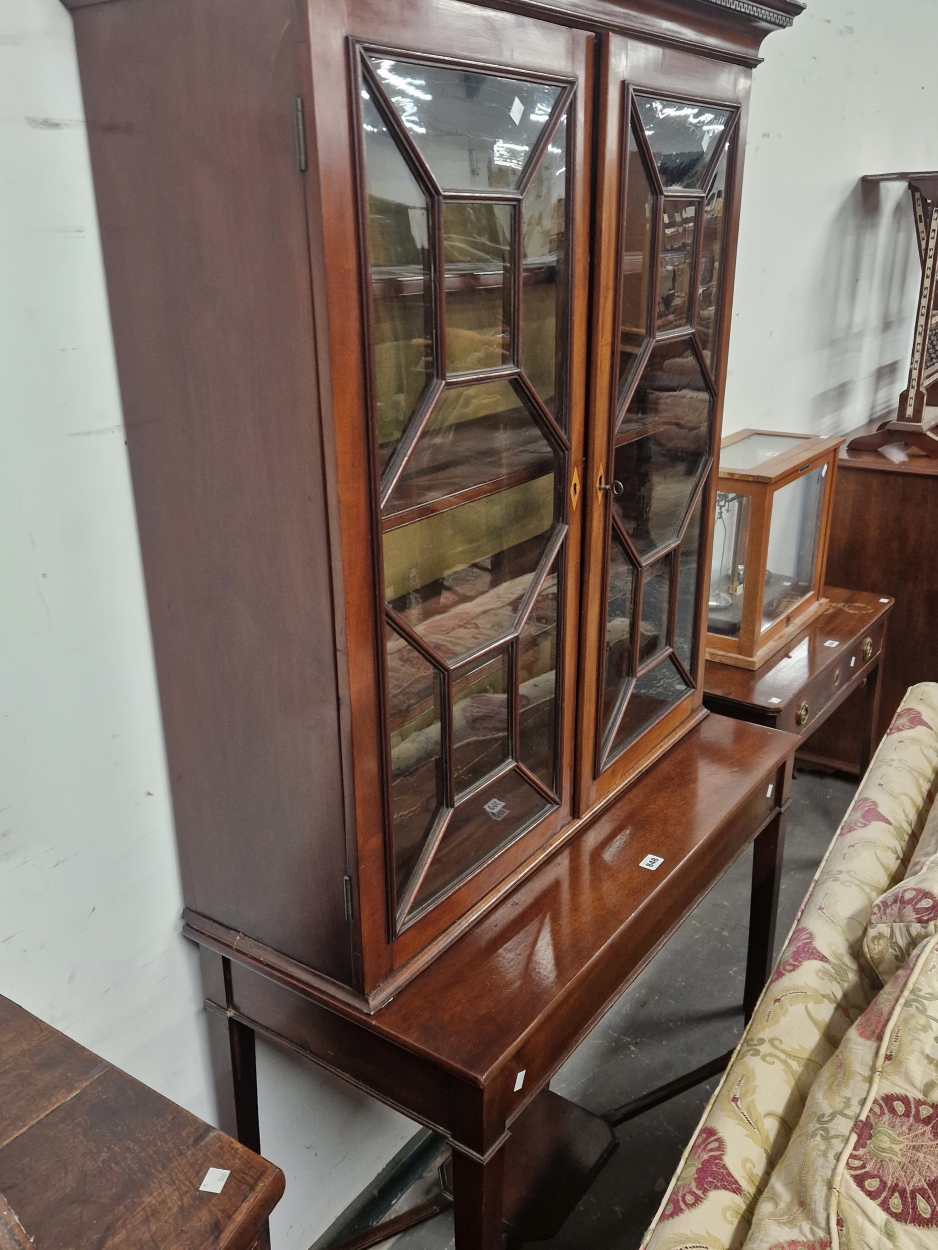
[[91, 1158]]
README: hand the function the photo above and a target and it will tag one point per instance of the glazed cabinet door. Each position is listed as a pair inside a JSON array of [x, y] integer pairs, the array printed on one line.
[[668, 191], [456, 378]]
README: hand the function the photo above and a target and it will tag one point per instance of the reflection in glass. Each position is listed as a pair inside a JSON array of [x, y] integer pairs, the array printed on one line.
[[660, 471], [654, 693], [677, 263], [414, 701], [477, 436], [637, 237], [682, 138], [480, 721], [459, 577], [619, 598], [537, 679], [686, 617], [728, 564], [711, 258], [474, 130], [476, 257], [750, 452], [479, 827], [544, 279], [793, 543], [656, 605], [401, 292]]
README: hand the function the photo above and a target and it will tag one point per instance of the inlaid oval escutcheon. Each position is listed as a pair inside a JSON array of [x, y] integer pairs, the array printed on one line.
[[803, 713], [867, 648]]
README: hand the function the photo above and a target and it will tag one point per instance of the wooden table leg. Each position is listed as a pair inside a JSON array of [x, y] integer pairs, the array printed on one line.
[[763, 909], [868, 740], [244, 1078], [478, 1193]]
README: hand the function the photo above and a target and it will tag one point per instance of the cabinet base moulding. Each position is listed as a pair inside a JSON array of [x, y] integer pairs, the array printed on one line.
[[772, 647]]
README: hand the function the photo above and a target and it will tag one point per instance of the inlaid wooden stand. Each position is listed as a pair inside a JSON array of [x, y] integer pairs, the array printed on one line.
[[468, 1048]]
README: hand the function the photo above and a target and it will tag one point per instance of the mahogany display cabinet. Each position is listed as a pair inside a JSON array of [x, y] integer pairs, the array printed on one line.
[[421, 318], [774, 498]]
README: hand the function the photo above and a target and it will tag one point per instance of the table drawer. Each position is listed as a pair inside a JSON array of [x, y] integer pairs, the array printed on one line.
[[833, 685]]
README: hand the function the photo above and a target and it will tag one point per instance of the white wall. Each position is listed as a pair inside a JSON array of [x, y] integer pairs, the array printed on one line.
[[89, 895]]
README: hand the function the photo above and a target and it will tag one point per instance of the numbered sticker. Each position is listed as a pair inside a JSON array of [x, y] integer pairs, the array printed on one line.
[[832, 642], [496, 809], [775, 700], [519, 1079], [652, 862], [516, 112], [214, 1181], [770, 792]]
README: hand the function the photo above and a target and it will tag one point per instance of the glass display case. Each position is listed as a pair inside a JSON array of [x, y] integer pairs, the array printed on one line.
[[773, 503]]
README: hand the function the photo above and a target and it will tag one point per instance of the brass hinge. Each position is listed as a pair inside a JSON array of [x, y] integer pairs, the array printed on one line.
[[299, 135]]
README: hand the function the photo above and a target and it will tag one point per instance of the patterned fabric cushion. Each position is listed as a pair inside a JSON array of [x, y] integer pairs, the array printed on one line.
[[902, 918], [861, 1170], [822, 984]]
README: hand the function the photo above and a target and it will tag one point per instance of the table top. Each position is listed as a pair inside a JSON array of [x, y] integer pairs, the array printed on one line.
[[591, 915], [91, 1158], [916, 465], [781, 680]]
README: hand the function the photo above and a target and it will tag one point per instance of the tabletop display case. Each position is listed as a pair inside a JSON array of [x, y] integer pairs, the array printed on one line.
[[773, 503]]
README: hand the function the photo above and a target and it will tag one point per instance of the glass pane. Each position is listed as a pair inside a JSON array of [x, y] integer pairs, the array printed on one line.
[[414, 700], [728, 565], [682, 137], [482, 825], [473, 130], [637, 238], [458, 577], [401, 292], [480, 721], [793, 541], [660, 471], [677, 263], [652, 695], [477, 260], [537, 679], [618, 627], [687, 579], [711, 258], [656, 604], [750, 452], [544, 289]]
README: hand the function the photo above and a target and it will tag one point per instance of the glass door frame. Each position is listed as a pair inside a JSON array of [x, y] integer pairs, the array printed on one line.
[[630, 68]]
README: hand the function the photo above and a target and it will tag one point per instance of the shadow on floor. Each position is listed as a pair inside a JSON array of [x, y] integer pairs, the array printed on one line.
[[684, 1009]]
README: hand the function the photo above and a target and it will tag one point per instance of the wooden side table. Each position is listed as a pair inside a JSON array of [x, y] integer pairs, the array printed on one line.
[[91, 1158], [835, 656], [469, 1046]]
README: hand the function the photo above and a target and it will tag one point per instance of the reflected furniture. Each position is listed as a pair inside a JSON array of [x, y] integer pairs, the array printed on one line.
[[884, 535], [773, 506], [468, 1048], [827, 1044], [916, 417], [91, 1158], [425, 581], [832, 659]]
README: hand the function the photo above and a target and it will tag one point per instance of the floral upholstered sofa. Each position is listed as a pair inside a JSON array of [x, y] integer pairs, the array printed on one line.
[[823, 1133]]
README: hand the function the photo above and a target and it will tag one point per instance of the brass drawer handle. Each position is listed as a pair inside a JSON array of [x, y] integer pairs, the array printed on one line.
[[867, 648], [836, 679], [802, 714]]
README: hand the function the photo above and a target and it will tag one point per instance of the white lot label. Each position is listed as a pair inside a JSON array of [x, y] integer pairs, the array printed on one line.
[[519, 1079], [652, 862], [770, 792], [775, 700], [214, 1181], [516, 112], [496, 809], [832, 642]]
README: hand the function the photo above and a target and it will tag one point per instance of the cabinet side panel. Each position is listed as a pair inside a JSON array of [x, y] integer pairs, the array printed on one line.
[[190, 107]]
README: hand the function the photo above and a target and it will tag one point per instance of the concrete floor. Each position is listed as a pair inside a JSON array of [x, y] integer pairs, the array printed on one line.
[[683, 1010]]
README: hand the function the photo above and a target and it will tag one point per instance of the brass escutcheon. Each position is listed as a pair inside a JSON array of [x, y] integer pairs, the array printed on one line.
[[802, 715], [867, 648]]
